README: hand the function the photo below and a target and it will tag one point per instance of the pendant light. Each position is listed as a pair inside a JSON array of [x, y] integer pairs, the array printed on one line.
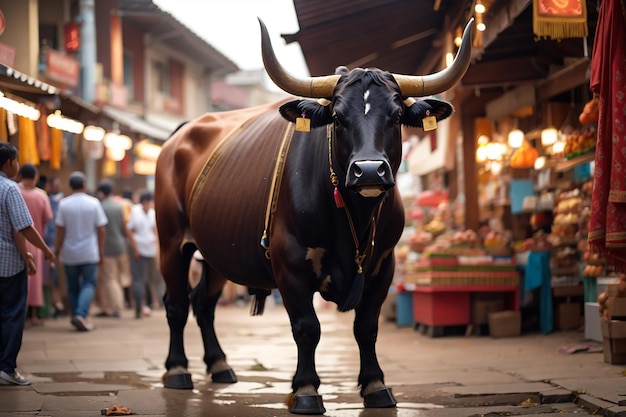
[[515, 138]]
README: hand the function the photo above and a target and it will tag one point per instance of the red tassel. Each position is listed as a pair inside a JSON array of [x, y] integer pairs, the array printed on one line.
[[338, 199]]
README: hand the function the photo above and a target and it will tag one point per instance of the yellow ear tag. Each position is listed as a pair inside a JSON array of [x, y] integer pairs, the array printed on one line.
[[303, 124], [429, 123]]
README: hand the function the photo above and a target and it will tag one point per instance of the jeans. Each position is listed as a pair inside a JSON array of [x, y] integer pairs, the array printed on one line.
[[13, 294], [81, 285]]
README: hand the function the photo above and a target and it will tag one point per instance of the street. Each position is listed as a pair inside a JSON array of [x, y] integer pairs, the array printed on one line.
[[78, 374]]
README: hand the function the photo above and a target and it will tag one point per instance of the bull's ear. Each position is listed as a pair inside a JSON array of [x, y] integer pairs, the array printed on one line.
[[413, 115], [319, 114]]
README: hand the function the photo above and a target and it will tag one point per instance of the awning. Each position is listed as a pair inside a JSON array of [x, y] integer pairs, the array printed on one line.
[[136, 123], [19, 82]]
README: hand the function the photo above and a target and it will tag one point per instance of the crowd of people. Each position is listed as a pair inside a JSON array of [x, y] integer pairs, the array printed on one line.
[[74, 255]]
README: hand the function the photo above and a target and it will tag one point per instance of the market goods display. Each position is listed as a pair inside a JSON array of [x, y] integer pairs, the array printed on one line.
[[524, 157], [612, 307], [607, 300], [590, 112], [580, 142], [463, 258]]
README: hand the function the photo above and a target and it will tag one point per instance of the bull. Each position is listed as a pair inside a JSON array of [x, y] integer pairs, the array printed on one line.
[[297, 195]]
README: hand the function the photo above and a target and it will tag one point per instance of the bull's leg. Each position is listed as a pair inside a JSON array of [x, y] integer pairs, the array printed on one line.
[[371, 379], [203, 300], [306, 330], [174, 267]]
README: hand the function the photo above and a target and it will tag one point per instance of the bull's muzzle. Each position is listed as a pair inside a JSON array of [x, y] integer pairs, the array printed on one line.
[[370, 178]]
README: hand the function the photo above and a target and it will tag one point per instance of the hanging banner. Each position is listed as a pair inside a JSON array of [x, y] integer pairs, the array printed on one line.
[[3, 23], [62, 68], [559, 19]]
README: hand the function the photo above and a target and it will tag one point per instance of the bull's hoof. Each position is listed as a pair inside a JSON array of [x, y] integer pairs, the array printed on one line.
[[380, 399], [178, 381], [224, 377], [307, 404]]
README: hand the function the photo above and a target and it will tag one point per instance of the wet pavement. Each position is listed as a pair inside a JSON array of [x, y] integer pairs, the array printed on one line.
[[78, 374]]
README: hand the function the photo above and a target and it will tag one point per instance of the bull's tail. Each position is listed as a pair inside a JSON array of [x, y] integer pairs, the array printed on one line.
[[259, 296]]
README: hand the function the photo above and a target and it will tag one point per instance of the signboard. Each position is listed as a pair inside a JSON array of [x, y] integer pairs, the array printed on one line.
[[7, 55], [3, 23], [62, 68], [72, 37]]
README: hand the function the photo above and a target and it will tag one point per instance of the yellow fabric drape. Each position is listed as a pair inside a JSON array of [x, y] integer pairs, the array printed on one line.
[[559, 19], [27, 142], [109, 167], [4, 134], [56, 148]]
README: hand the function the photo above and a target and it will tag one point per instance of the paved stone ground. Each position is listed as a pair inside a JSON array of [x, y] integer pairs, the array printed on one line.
[[121, 362]]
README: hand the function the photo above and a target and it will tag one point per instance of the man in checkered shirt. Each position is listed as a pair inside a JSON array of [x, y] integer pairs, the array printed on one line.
[[16, 225]]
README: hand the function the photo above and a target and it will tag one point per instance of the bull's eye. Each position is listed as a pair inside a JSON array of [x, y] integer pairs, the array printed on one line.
[[398, 117]]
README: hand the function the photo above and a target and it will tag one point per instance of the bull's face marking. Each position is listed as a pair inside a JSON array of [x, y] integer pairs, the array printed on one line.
[[367, 104]]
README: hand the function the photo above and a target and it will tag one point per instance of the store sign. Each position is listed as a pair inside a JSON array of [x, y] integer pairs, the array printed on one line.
[[62, 68], [7, 55], [72, 37]]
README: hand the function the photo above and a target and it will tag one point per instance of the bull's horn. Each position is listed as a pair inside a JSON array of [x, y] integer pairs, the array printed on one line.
[[420, 86], [312, 87]]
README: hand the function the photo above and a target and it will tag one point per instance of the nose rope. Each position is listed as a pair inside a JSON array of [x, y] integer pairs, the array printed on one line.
[[334, 180]]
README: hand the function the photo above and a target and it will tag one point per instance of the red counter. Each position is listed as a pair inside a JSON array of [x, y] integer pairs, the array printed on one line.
[[449, 305]]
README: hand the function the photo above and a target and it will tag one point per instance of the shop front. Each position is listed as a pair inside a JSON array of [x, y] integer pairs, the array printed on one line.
[[523, 173]]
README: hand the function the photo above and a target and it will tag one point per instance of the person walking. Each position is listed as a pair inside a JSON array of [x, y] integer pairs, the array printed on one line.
[[79, 244], [115, 264], [144, 268], [51, 272], [41, 212], [16, 226], [126, 199]]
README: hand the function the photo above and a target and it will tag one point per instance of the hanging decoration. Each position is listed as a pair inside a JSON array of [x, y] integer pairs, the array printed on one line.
[[560, 19], [525, 156]]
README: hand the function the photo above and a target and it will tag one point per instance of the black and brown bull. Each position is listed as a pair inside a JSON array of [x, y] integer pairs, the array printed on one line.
[[298, 195]]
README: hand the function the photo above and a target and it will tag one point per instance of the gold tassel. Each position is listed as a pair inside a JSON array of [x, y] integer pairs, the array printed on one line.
[[560, 27]]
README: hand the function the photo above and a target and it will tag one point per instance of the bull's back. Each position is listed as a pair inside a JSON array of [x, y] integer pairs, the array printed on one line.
[[228, 191]]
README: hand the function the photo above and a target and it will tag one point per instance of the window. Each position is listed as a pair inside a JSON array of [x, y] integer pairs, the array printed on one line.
[[49, 35], [168, 82], [128, 76], [161, 78]]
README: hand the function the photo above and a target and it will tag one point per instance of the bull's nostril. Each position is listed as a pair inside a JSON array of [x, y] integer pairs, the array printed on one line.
[[381, 170], [358, 171]]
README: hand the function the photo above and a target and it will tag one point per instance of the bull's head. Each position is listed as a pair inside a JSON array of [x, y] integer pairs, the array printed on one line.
[[366, 108]]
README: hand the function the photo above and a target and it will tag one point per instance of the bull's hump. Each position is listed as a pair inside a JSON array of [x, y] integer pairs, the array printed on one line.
[[213, 127]]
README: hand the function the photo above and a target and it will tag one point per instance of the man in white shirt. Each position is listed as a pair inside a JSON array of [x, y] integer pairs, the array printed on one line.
[[80, 238], [144, 268]]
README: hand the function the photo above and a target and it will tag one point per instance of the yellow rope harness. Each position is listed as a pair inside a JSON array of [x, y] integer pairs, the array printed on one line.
[[275, 187]]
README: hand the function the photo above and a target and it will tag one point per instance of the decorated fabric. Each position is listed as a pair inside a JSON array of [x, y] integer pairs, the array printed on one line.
[[559, 19], [56, 148], [607, 225], [27, 142], [4, 134]]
